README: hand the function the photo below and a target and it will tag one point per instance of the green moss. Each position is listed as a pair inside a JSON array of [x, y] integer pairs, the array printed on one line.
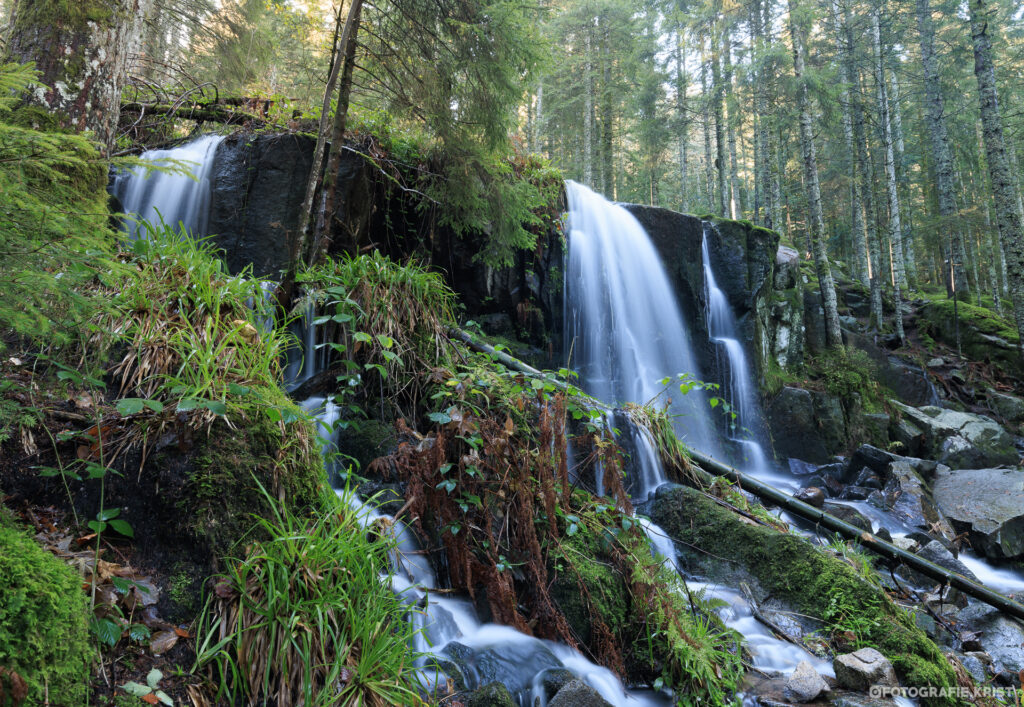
[[43, 620], [939, 313], [221, 496], [587, 585], [812, 581]]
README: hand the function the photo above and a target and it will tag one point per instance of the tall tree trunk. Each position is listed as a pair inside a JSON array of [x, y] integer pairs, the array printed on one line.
[[607, 117], [682, 119], [938, 138], [860, 235], [906, 239], [82, 51], [731, 114], [538, 118], [1004, 184], [833, 334], [588, 105], [709, 161], [761, 171], [899, 275], [721, 166], [330, 190], [316, 169]]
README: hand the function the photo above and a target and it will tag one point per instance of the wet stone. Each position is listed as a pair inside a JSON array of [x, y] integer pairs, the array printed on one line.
[[804, 684], [577, 693]]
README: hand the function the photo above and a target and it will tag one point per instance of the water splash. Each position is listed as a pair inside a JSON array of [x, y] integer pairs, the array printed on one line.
[[174, 197]]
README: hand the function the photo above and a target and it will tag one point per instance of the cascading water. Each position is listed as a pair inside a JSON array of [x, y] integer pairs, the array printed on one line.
[[624, 327], [627, 333], [174, 197]]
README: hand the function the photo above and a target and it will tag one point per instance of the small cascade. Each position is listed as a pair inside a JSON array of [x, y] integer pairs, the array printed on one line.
[[747, 427], [450, 633], [174, 197], [625, 331]]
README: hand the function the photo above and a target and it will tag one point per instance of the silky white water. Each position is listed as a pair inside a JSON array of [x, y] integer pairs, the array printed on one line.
[[624, 328], [183, 198]]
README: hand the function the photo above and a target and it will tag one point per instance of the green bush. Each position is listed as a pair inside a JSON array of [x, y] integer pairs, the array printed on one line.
[[54, 235], [849, 371], [43, 620]]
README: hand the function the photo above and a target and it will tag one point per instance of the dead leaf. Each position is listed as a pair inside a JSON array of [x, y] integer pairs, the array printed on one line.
[[150, 698], [223, 589], [162, 642], [182, 633]]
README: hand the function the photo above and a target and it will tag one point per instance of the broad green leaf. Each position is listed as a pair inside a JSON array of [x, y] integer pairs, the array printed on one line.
[[129, 406], [123, 527], [136, 689]]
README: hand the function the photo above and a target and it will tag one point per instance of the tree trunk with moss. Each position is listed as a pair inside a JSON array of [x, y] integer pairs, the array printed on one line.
[[82, 50], [1004, 183]]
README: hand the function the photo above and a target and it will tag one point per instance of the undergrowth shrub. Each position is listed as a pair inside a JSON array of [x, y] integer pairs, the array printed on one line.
[[848, 371], [384, 325], [303, 617]]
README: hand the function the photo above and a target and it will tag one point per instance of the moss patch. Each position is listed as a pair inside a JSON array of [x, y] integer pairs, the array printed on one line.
[[812, 581], [221, 494], [43, 620]]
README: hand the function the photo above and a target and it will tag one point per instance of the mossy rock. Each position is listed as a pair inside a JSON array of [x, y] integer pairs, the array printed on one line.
[[793, 571], [221, 493], [44, 614], [588, 584], [984, 335]]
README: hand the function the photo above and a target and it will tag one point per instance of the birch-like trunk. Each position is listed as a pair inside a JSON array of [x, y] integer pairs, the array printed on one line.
[[588, 106], [816, 228], [709, 163], [1004, 183], [682, 120], [730, 125], [717, 94], [938, 138]]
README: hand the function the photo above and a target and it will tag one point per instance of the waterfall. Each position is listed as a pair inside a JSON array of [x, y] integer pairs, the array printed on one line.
[[183, 198], [624, 329], [626, 333]]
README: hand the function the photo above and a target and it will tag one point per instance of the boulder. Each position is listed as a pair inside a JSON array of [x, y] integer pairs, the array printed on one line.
[[804, 684], [1008, 407], [787, 268], [906, 496], [1001, 637], [812, 495], [868, 457], [491, 695], [988, 504], [961, 440], [864, 669], [577, 693]]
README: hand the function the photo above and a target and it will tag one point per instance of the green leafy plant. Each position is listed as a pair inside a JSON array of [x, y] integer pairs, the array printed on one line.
[[152, 687]]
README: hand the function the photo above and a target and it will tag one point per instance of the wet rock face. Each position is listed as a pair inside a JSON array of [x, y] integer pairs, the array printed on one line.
[[258, 184], [808, 425], [988, 504]]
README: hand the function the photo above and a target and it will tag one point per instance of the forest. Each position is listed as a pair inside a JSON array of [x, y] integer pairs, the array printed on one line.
[[511, 353]]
